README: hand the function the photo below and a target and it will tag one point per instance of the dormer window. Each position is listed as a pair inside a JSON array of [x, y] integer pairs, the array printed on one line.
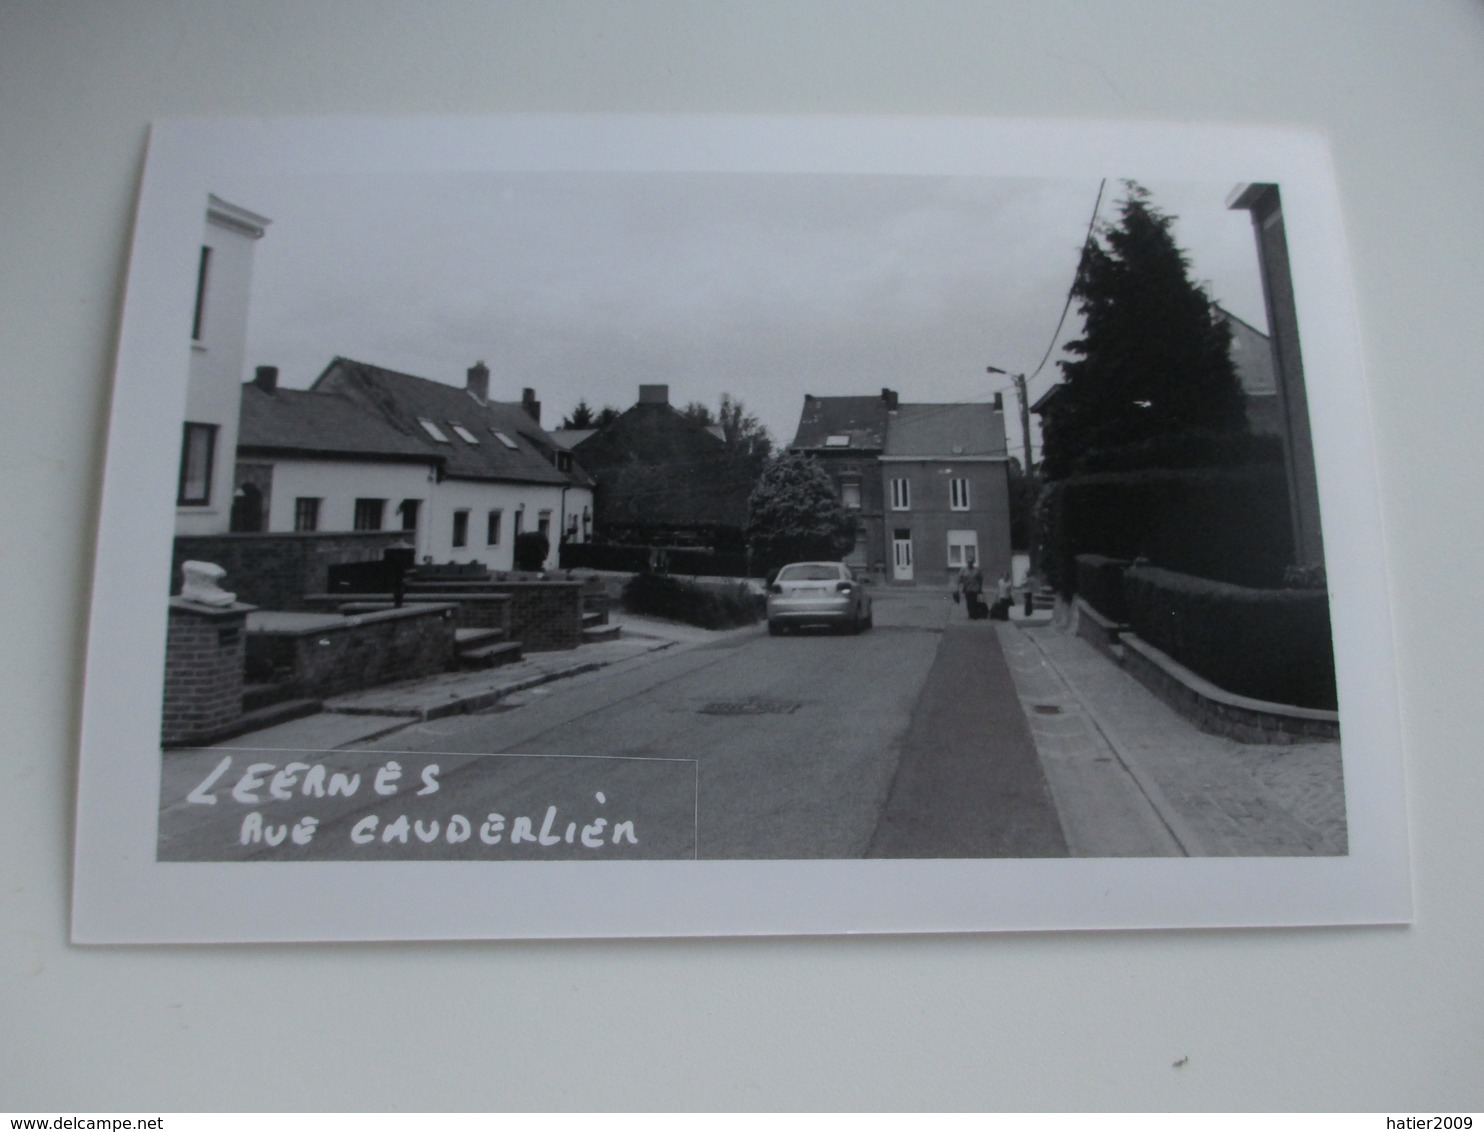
[[464, 434], [503, 439], [837, 440], [434, 431]]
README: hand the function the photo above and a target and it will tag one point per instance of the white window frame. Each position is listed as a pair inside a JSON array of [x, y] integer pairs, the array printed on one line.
[[847, 489], [961, 541], [901, 494], [958, 493]]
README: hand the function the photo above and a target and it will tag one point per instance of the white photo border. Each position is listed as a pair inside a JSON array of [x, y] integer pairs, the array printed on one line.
[[121, 894]]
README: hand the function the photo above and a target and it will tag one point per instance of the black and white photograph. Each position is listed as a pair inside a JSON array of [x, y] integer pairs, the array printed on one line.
[[656, 500]]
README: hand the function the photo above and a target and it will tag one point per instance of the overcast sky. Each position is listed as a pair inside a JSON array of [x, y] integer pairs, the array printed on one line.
[[763, 286]]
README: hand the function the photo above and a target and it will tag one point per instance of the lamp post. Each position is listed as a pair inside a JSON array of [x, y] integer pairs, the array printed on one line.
[[1018, 379]]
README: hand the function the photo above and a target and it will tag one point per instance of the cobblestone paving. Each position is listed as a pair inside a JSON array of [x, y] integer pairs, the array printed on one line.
[[1218, 797]]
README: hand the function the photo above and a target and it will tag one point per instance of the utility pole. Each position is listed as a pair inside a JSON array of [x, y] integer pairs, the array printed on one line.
[[1027, 484]]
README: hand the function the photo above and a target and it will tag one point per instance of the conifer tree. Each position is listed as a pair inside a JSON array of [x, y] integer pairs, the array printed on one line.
[[1153, 359]]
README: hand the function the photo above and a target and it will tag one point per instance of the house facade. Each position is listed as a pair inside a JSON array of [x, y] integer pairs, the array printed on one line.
[[661, 478], [371, 449], [927, 484], [204, 489]]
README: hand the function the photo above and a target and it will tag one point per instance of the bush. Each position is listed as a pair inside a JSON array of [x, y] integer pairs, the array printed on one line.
[[660, 595], [1269, 644], [531, 548], [1100, 584], [1229, 524]]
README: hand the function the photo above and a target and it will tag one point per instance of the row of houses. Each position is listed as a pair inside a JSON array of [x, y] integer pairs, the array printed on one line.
[[461, 475]]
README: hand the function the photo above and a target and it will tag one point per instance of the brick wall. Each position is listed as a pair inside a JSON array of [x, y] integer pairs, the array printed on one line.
[[472, 611], [545, 614], [275, 571], [204, 653], [371, 649]]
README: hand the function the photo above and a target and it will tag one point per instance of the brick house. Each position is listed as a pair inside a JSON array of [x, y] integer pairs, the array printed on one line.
[[928, 483], [370, 449], [662, 478]]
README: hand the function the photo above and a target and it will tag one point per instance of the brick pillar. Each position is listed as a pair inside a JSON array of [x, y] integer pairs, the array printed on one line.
[[204, 649]]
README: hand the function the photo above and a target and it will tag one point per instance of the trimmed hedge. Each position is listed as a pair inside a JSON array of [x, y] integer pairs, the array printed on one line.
[[1100, 584], [1230, 524], [660, 595], [636, 559], [604, 556], [1268, 644]]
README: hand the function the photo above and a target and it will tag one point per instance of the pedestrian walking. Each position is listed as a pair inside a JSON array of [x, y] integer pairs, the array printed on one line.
[[1003, 595], [971, 585]]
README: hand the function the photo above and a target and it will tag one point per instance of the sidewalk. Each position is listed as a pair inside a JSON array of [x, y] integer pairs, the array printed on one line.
[[1134, 778], [359, 717]]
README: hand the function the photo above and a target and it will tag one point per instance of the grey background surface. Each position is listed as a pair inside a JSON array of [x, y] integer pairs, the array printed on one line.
[[1385, 1018]]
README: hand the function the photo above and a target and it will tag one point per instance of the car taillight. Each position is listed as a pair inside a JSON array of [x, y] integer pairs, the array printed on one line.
[[775, 588], [843, 587]]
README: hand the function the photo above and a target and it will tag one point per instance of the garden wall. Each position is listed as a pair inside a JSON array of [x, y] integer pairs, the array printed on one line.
[[276, 570]]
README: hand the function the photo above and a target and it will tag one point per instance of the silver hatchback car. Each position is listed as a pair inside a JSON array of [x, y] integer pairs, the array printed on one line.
[[818, 593]]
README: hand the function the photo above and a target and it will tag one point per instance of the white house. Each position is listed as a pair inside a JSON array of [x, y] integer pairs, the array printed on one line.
[[366, 448], [203, 498]]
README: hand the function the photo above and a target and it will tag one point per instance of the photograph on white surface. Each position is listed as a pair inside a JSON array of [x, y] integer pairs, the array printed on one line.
[[635, 526]]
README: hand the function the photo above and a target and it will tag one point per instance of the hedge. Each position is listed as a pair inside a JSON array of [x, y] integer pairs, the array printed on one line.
[[660, 595], [1230, 524], [637, 559], [1100, 584], [1268, 644]]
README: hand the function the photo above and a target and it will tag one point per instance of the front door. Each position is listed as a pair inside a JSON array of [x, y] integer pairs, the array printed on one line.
[[901, 556]]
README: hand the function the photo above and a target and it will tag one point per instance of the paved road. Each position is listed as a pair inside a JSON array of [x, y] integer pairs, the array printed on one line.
[[906, 741]]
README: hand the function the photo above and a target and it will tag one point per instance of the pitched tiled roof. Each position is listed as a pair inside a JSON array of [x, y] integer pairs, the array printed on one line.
[[862, 419], [964, 429], [299, 421], [402, 401]]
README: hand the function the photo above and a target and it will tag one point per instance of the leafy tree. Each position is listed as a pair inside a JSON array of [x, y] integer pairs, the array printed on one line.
[[582, 416], [794, 514], [531, 549], [745, 435], [700, 413], [606, 416], [1153, 358]]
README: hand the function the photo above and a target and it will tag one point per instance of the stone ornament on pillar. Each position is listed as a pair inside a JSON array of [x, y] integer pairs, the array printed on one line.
[[201, 586]]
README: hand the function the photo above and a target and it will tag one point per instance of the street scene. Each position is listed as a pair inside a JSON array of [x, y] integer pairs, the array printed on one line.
[[928, 736], [833, 585]]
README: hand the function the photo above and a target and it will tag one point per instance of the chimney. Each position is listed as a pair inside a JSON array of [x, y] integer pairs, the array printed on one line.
[[266, 378], [478, 384], [889, 399], [529, 403], [654, 394]]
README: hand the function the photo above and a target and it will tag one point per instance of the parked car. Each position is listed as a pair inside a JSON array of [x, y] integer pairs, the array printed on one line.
[[818, 593]]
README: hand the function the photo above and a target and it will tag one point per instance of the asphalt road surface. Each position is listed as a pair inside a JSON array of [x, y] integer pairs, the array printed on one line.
[[904, 741]]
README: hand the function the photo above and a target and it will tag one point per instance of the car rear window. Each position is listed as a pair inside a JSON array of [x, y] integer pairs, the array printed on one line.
[[813, 572]]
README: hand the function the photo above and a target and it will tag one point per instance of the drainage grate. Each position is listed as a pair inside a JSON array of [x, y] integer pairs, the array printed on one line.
[[752, 707], [1046, 709]]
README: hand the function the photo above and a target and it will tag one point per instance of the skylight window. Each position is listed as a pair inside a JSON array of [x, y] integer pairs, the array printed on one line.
[[433, 430], [464, 434], [837, 440], [503, 439]]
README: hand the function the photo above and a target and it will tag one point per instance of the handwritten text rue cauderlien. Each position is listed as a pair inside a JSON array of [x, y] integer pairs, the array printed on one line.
[[264, 782]]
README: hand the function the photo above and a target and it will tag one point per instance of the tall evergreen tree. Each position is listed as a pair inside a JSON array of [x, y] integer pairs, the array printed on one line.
[[1153, 358]]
